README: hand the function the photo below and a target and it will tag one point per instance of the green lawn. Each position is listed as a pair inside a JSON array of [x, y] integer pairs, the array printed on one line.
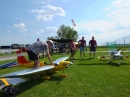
[[86, 78]]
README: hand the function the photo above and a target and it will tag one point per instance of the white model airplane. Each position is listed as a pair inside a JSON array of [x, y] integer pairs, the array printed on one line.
[[44, 70], [115, 54]]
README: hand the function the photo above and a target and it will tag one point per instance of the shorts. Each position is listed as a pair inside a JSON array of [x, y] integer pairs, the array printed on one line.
[[82, 49], [32, 55], [92, 49]]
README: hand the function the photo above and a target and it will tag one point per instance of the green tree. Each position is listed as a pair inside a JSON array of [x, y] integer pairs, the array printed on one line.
[[53, 37], [67, 33]]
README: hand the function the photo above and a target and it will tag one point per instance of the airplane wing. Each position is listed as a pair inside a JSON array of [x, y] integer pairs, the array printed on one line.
[[32, 71], [27, 72], [15, 81], [59, 60]]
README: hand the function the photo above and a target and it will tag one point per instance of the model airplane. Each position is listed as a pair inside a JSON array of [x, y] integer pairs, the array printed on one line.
[[115, 54], [44, 70]]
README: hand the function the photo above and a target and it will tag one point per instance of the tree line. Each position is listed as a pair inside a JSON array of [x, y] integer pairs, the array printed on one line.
[[65, 32]]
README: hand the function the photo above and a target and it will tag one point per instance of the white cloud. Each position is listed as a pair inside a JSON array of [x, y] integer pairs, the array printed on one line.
[[23, 30], [107, 8], [48, 12], [121, 3], [121, 13], [21, 25], [117, 26], [118, 12], [107, 30]]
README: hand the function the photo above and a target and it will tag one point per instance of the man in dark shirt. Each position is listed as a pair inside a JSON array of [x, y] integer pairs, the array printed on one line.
[[93, 46], [82, 44]]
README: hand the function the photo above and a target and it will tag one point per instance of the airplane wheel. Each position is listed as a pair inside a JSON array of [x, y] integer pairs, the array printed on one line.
[[46, 77], [63, 75]]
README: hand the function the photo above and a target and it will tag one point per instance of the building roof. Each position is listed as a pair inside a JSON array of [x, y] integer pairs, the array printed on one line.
[[62, 40]]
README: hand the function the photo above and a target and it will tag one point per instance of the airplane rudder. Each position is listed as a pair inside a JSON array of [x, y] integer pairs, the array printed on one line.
[[20, 57]]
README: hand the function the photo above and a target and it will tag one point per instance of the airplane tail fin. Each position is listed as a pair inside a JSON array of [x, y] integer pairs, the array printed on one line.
[[21, 58]]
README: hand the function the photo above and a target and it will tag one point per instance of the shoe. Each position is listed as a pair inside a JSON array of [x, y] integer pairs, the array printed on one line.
[[99, 57]]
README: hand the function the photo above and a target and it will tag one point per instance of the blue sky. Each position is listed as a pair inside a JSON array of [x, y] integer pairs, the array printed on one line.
[[23, 21]]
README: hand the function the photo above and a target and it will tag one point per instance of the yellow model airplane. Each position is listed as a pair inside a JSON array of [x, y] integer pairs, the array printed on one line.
[[44, 70]]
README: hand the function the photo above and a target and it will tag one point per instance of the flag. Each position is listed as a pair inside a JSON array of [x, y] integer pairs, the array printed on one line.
[[73, 22]]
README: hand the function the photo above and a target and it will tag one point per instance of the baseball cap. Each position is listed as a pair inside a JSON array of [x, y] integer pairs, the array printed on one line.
[[50, 41]]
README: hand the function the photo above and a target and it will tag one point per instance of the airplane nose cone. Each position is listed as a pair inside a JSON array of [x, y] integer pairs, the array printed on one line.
[[70, 63]]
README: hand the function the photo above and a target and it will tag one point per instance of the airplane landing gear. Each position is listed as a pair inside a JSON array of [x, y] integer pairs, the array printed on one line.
[[63, 75]]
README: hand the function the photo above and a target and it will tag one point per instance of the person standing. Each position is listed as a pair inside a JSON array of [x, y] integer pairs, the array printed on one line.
[[92, 46], [82, 48], [34, 49], [72, 49]]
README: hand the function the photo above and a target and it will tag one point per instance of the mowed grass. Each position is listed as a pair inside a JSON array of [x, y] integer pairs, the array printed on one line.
[[86, 78]]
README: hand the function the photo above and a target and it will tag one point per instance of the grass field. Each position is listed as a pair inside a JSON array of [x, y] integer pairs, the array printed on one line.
[[86, 78]]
